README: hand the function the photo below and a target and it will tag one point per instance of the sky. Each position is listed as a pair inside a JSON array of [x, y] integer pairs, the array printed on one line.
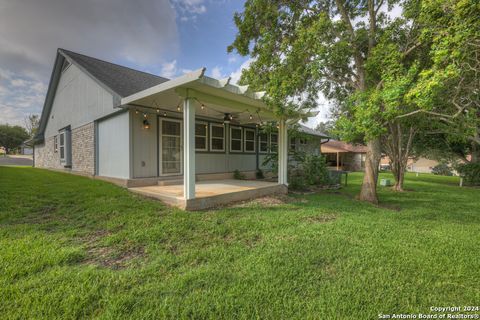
[[167, 38]]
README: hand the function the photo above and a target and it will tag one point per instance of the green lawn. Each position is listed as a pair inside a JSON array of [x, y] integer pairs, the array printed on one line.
[[73, 247]]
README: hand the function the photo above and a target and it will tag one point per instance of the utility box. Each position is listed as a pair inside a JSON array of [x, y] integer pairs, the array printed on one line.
[[385, 182]]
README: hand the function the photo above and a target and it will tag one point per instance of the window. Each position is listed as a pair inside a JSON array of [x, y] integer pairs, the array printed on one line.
[[263, 137], [201, 136], [235, 139], [273, 142], [249, 140], [303, 141], [62, 146], [217, 137], [55, 144], [292, 144]]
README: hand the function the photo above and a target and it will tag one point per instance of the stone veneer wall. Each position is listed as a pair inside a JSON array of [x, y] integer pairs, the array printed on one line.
[[83, 151]]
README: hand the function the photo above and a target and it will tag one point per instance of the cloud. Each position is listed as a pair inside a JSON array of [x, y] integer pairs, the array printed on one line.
[[169, 69], [189, 9], [138, 33], [217, 72], [236, 75]]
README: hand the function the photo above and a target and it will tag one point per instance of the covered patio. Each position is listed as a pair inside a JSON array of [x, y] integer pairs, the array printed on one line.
[[193, 95]]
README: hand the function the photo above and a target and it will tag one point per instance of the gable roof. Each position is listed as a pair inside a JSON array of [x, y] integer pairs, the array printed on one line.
[[119, 80], [341, 146], [122, 80], [311, 131]]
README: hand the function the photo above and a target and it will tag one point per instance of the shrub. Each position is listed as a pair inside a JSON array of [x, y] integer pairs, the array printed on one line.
[[308, 171], [470, 172], [238, 175], [259, 174], [315, 168], [296, 180], [442, 169]]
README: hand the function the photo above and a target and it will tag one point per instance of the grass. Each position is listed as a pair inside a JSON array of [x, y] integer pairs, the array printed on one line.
[[72, 247]]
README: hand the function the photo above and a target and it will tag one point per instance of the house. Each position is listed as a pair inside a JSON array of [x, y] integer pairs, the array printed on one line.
[[420, 164], [177, 140], [341, 155], [25, 149]]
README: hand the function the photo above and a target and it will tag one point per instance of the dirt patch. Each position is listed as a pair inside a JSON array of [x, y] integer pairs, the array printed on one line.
[[269, 201], [324, 218], [109, 257]]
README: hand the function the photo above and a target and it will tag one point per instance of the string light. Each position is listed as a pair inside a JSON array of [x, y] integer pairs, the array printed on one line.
[[145, 115], [202, 107], [178, 108], [164, 113], [250, 117], [158, 110], [136, 111]]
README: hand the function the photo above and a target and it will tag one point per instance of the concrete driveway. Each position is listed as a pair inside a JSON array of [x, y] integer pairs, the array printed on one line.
[[17, 160]]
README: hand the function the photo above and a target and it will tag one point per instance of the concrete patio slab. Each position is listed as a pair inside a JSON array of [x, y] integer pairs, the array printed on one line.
[[211, 193]]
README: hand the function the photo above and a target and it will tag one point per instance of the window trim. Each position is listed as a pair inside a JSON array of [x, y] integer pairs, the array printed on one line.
[[61, 146], [270, 142], [241, 138], [267, 142], [55, 143], [293, 144], [212, 137], [205, 124], [245, 130]]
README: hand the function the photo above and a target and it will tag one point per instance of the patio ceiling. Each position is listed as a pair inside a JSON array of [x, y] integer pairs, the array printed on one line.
[[212, 98]]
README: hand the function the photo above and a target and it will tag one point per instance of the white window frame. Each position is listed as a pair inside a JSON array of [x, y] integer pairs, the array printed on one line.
[[55, 143], [212, 137], [205, 124], [260, 142], [293, 144], [241, 138], [61, 146], [271, 149], [245, 130], [161, 147]]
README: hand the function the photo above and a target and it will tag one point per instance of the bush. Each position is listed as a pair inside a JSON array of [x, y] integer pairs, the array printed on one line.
[[442, 169], [238, 175], [470, 172], [315, 168], [310, 171], [259, 174], [297, 181]]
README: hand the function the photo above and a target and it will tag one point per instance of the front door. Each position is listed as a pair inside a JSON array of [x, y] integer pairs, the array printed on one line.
[[170, 147]]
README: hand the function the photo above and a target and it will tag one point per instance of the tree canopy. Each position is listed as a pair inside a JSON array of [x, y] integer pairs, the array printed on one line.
[[12, 137]]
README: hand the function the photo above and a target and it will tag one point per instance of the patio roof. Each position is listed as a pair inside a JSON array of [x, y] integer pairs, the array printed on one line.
[[212, 97]]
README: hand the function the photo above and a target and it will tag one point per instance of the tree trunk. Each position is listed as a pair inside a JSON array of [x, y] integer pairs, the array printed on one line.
[[398, 170], [369, 185], [475, 157]]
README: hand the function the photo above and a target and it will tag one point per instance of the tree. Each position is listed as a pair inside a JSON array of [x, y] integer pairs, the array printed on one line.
[[334, 46], [12, 137], [450, 89], [328, 127], [31, 124]]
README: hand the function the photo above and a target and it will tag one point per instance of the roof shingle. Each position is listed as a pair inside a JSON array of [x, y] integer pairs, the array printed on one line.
[[121, 80]]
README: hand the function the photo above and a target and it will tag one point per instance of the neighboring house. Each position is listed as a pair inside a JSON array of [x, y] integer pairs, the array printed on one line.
[[138, 129], [420, 165], [26, 149], [341, 155]]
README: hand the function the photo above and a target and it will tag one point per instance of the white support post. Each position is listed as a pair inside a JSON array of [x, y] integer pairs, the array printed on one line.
[[282, 153], [189, 149]]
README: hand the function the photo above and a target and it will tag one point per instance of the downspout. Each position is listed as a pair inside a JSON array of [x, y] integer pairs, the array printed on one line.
[[257, 154]]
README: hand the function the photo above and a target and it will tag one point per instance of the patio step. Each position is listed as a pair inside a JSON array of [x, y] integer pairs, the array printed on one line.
[[170, 182]]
